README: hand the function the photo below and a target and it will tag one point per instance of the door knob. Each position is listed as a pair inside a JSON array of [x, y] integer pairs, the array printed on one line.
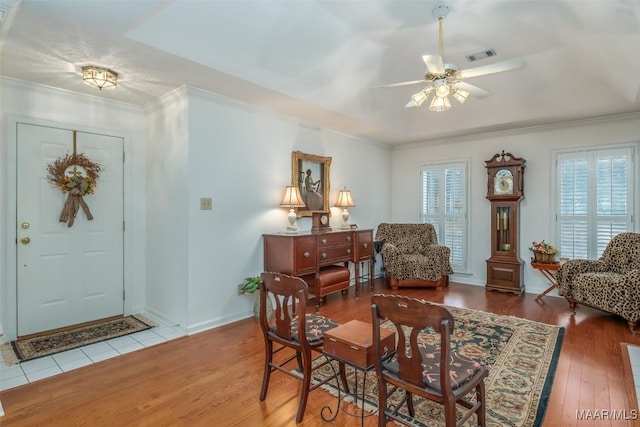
[[25, 225], [25, 240]]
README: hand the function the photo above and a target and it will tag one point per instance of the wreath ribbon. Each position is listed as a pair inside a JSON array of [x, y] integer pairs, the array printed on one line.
[[75, 201]]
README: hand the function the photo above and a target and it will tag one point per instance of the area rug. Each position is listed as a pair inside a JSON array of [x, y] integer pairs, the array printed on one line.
[[46, 345], [521, 355]]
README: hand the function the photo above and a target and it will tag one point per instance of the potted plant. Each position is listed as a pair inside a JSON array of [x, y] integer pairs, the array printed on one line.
[[543, 252], [251, 285]]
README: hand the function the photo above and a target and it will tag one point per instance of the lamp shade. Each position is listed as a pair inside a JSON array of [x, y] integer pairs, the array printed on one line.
[[99, 77], [461, 95], [292, 198], [344, 199], [439, 104]]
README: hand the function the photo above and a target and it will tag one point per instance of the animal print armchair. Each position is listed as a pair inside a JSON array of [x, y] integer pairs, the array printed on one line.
[[412, 255], [610, 283]]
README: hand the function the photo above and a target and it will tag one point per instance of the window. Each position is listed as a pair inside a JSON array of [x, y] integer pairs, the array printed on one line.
[[594, 201], [444, 204]]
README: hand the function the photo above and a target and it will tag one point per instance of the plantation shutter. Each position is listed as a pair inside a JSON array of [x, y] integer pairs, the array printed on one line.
[[595, 200], [444, 204]]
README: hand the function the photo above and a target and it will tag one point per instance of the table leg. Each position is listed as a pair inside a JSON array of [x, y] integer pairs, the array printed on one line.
[[551, 277]]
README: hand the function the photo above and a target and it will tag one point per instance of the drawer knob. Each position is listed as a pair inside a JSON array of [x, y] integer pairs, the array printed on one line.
[[324, 241], [324, 255], [386, 350], [354, 347], [348, 238], [349, 251], [366, 245], [306, 254]]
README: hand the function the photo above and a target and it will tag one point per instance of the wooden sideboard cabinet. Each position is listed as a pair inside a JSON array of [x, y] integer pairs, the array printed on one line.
[[305, 254]]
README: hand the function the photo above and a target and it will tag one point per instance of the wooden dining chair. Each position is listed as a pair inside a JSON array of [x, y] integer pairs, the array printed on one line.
[[432, 371], [291, 328]]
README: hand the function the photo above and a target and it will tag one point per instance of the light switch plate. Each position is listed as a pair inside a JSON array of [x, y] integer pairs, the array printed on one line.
[[206, 204]]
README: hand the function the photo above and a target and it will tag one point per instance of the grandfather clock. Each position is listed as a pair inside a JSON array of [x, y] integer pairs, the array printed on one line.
[[505, 183]]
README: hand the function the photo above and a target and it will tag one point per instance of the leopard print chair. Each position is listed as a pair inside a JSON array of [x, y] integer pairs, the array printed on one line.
[[412, 255], [610, 283]]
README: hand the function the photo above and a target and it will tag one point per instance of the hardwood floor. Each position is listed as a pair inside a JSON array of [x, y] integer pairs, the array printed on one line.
[[214, 377]]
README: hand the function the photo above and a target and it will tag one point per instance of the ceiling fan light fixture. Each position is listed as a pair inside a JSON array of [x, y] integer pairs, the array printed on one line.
[[99, 77], [439, 104], [461, 95], [442, 88], [419, 98]]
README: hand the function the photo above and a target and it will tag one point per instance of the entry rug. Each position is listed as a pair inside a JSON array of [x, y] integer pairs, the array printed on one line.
[[521, 355], [46, 345]]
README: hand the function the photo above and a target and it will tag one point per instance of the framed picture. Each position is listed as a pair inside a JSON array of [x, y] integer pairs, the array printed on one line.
[[354, 226], [311, 174]]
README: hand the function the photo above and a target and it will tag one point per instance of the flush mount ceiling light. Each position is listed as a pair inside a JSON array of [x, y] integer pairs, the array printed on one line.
[[445, 79], [99, 77]]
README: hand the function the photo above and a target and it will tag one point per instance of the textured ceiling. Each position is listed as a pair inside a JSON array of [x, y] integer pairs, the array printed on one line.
[[321, 60]]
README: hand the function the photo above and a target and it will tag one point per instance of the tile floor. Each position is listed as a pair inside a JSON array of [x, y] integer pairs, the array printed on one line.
[[634, 358], [37, 369]]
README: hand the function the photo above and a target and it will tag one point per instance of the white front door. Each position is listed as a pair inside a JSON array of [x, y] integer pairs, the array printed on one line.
[[67, 275]]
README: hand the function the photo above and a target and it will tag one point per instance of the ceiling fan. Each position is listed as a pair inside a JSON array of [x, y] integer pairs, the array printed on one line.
[[445, 79]]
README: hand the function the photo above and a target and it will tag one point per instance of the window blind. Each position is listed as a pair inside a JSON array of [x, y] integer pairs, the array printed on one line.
[[595, 199], [444, 204]]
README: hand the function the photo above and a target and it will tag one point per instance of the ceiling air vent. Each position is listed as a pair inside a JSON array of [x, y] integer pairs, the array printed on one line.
[[481, 55]]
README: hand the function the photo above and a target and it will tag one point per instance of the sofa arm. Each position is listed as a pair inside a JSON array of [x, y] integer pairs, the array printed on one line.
[[389, 252], [442, 254], [572, 268]]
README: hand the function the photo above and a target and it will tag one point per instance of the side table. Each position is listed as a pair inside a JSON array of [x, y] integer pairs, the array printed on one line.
[[352, 344], [549, 272]]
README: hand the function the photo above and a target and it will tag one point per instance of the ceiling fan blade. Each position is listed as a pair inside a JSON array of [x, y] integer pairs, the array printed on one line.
[[414, 82], [498, 67], [473, 90], [434, 63]]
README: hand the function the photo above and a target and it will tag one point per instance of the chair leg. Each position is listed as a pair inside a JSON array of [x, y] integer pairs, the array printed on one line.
[[268, 358], [382, 403], [343, 377], [299, 360], [412, 411], [306, 384], [480, 396], [450, 413]]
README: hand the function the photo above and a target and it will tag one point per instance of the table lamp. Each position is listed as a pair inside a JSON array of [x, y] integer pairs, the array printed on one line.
[[345, 201], [292, 199]]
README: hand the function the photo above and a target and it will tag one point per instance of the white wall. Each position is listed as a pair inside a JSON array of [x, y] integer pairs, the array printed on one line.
[[43, 105], [240, 156], [536, 146], [167, 196]]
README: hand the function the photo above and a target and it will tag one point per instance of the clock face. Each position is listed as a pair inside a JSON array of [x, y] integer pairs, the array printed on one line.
[[324, 219], [503, 182]]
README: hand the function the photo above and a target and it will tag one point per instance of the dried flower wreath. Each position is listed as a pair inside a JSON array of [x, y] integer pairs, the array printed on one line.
[[76, 175]]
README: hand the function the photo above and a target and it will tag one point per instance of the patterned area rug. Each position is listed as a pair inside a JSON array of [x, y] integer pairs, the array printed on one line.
[[521, 355], [46, 345]]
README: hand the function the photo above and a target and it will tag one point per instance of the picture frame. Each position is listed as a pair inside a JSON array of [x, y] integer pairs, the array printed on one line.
[[311, 174], [354, 226]]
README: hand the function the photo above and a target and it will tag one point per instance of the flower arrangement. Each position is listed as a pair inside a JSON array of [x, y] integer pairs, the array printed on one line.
[[543, 247], [543, 252]]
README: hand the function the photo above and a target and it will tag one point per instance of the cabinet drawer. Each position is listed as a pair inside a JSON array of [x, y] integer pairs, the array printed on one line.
[[353, 342], [335, 254], [365, 245], [305, 254], [332, 239]]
